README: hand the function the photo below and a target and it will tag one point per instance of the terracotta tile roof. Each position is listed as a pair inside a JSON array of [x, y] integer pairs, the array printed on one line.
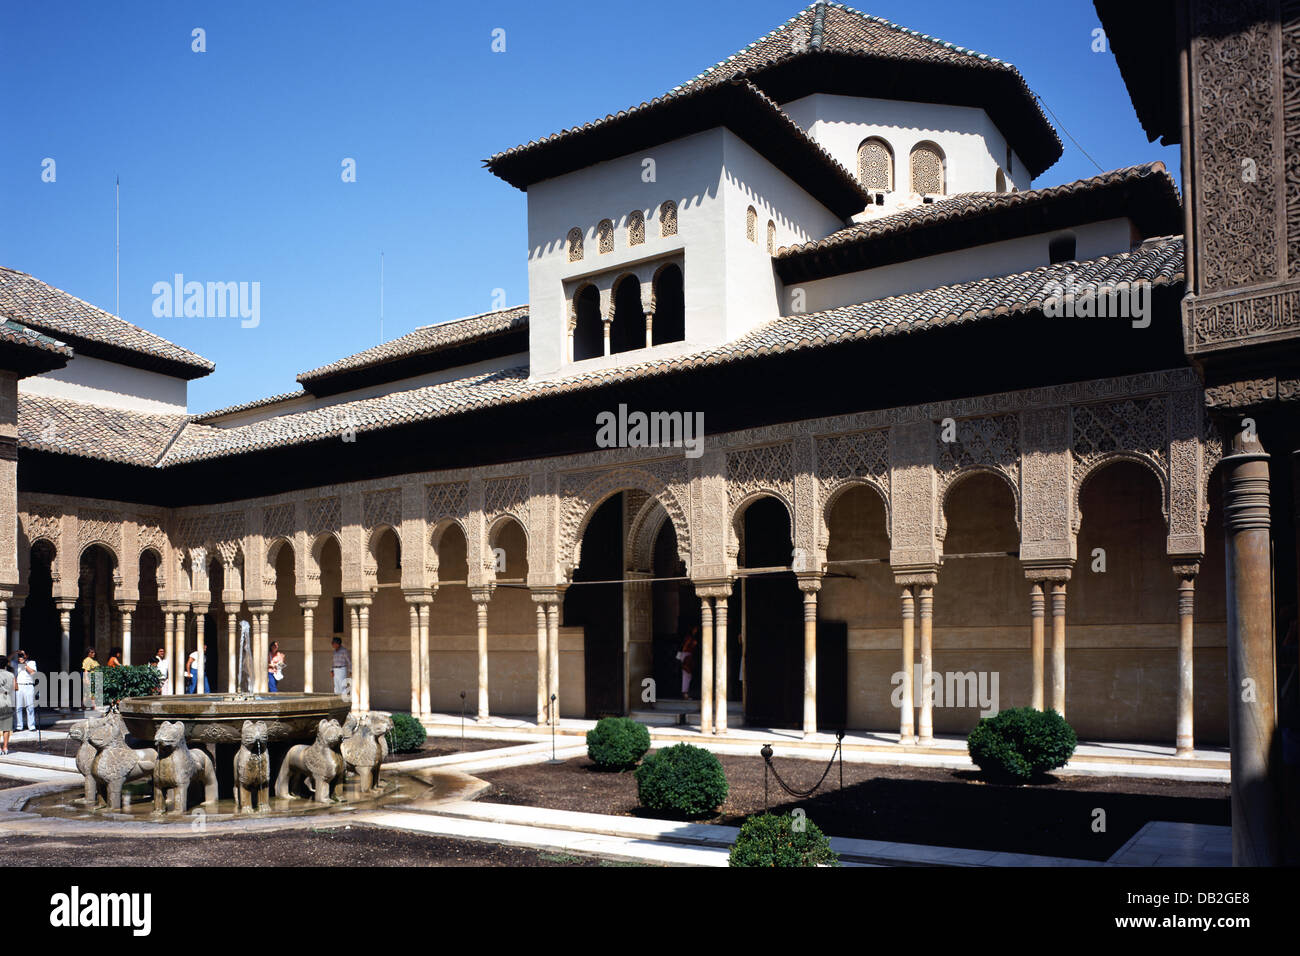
[[40, 306], [426, 340], [249, 406], [1159, 262], [739, 105], [12, 333], [1161, 191], [94, 431]]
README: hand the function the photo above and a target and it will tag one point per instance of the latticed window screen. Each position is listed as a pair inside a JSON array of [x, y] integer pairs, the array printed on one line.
[[876, 165], [668, 219], [751, 224], [927, 169], [605, 235], [635, 227], [771, 238], [575, 244]]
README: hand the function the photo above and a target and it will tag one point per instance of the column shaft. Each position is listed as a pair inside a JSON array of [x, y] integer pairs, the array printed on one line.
[[365, 658], [553, 665], [706, 665], [720, 666], [232, 649], [308, 648], [1058, 647], [1184, 744], [1037, 611], [426, 699], [925, 726], [906, 724], [809, 662], [169, 646], [415, 658], [126, 638], [481, 607], [542, 682]]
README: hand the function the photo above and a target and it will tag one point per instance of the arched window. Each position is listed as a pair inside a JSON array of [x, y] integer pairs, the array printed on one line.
[[605, 236], [635, 227], [668, 218], [927, 169], [771, 238], [669, 306], [588, 329], [575, 244], [627, 330], [751, 224], [876, 165], [1001, 182]]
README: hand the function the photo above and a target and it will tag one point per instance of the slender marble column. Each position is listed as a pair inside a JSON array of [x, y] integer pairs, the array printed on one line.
[[182, 642], [1184, 742], [426, 698], [415, 658], [308, 645], [354, 685], [126, 633], [1058, 647], [4, 629], [1252, 708], [365, 658], [169, 646], [65, 640], [1037, 611], [706, 665], [480, 597], [649, 329], [720, 665], [232, 646], [542, 682], [201, 660], [906, 721], [810, 586], [925, 605], [553, 651]]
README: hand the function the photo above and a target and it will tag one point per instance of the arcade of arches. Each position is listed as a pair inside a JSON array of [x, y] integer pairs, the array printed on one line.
[[1052, 545]]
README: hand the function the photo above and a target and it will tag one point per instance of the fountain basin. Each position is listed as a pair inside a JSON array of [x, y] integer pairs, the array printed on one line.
[[219, 718]]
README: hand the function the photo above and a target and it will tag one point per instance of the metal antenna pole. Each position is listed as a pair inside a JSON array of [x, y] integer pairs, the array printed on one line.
[[381, 296], [117, 247]]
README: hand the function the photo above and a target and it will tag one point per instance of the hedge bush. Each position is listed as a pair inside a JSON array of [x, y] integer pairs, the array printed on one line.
[[108, 685], [1021, 743], [681, 780], [775, 840], [407, 734], [617, 743]]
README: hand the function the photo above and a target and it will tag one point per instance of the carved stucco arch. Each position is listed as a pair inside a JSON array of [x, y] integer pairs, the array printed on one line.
[[832, 498], [437, 530], [642, 534], [115, 571], [952, 480], [736, 526], [313, 558], [160, 567], [278, 543], [370, 567], [578, 509], [1081, 478], [499, 524]]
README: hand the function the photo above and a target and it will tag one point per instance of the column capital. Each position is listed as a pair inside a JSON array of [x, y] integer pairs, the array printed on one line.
[[1185, 565], [357, 598], [126, 607], [1044, 572], [481, 595], [65, 605], [925, 575], [416, 596], [545, 595], [200, 607], [810, 582], [712, 587], [232, 608], [261, 607]]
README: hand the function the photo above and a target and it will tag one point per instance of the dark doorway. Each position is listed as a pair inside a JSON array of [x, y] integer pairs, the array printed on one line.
[[38, 623], [588, 330], [598, 608], [675, 610], [669, 324], [627, 330], [773, 620], [832, 676]]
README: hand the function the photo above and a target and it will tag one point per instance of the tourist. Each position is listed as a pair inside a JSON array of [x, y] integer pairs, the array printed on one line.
[[686, 656], [341, 668], [192, 671], [275, 667], [115, 658], [160, 662], [25, 671], [6, 705], [89, 665]]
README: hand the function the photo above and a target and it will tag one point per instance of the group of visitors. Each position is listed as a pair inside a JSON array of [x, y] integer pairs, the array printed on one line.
[[17, 696]]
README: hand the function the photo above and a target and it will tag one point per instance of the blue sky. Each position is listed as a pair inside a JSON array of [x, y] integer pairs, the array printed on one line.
[[230, 159]]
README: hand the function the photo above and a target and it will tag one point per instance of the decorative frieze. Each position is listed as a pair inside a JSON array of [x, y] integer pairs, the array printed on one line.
[[447, 500]]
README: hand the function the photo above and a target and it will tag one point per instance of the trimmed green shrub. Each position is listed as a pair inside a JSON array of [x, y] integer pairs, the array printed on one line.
[[617, 743], [681, 780], [108, 685], [407, 735], [1021, 743], [777, 840]]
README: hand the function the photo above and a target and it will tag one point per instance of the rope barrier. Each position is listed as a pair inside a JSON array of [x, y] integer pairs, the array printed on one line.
[[766, 751]]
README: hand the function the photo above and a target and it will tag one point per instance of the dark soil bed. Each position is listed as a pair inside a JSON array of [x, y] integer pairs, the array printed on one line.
[[441, 746], [902, 804], [338, 846]]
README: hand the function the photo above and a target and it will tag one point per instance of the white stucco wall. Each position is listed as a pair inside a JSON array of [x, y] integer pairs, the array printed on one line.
[[729, 285], [974, 149], [99, 382], [964, 265]]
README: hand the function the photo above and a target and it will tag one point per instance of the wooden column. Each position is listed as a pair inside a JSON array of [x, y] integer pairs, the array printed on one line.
[[906, 724], [1184, 742]]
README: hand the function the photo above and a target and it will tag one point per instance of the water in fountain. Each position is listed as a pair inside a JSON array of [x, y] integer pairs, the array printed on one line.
[[244, 678]]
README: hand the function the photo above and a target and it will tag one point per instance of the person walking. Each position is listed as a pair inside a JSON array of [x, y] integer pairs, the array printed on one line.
[[164, 668], [7, 688], [686, 656], [275, 667], [192, 672], [89, 664], [115, 658], [341, 666], [25, 677]]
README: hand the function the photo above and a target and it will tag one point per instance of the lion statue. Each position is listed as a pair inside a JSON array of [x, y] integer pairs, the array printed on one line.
[[365, 745], [252, 768], [177, 767], [112, 763], [320, 764]]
